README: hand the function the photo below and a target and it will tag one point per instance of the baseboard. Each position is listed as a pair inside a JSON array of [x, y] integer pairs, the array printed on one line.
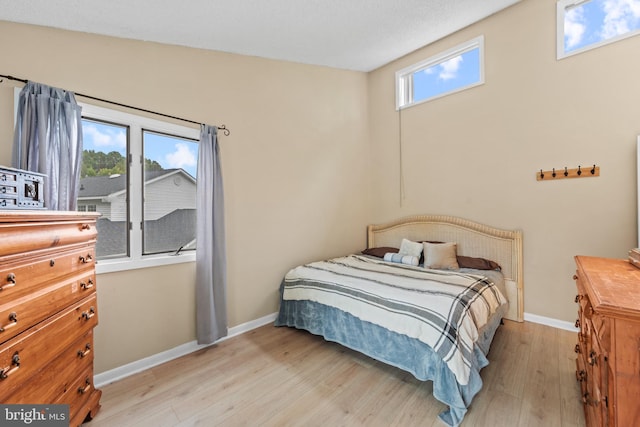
[[555, 323], [124, 371]]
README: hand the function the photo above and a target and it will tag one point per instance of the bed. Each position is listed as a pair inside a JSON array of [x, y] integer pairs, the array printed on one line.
[[435, 320]]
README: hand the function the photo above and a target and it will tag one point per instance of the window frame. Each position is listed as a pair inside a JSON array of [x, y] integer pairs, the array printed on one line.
[[404, 77], [137, 124], [562, 6]]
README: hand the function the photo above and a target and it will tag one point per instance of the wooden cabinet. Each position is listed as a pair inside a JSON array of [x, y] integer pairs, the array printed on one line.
[[608, 349], [48, 309]]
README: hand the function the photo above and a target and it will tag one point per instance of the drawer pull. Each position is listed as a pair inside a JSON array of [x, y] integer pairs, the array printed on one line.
[[85, 227], [581, 375], [52, 262], [11, 282], [13, 317], [87, 285], [83, 353], [577, 348], [86, 259], [86, 315], [577, 324], [575, 277], [15, 365], [593, 358], [86, 388]]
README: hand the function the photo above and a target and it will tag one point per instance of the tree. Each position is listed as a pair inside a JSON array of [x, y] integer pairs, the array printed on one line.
[[98, 163]]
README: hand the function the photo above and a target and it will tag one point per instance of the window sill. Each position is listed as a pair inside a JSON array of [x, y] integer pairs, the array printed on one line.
[[124, 264]]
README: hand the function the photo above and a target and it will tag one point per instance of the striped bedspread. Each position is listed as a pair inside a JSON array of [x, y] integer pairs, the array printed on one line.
[[443, 309]]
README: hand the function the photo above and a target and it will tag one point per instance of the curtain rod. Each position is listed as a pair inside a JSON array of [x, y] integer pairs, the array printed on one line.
[[223, 128]]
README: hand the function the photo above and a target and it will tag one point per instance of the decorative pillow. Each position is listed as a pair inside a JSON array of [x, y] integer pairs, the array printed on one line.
[[440, 255], [402, 259], [477, 263], [463, 261], [407, 247], [379, 252]]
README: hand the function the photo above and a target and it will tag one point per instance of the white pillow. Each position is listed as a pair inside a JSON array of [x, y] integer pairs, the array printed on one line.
[[407, 247], [441, 255]]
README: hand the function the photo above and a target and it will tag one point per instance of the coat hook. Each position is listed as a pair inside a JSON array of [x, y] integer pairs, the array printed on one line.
[[565, 171], [579, 171], [541, 174], [593, 170], [553, 174]]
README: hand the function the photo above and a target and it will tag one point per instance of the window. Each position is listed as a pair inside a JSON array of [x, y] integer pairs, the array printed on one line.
[[587, 24], [140, 175], [456, 69]]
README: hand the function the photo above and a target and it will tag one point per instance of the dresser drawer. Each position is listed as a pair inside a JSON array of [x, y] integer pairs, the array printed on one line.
[[22, 313], [18, 238], [78, 391], [31, 274], [27, 353], [48, 384]]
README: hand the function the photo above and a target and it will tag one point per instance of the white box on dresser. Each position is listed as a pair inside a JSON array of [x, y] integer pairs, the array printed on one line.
[[48, 309]]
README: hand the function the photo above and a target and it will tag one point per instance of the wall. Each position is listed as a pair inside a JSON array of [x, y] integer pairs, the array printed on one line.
[[294, 169], [314, 155], [475, 154]]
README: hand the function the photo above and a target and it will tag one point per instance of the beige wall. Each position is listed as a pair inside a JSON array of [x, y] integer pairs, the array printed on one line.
[[475, 154], [294, 167], [314, 156]]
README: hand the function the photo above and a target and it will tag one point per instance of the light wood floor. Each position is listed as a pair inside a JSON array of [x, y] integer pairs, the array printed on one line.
[[286, 377]]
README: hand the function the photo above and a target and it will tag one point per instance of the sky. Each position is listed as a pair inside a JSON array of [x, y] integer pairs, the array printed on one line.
[[598, 20], [170, 152], [457, 72]]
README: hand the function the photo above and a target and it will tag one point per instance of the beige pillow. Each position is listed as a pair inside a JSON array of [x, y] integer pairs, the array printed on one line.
[[440, 255], [408, 247]]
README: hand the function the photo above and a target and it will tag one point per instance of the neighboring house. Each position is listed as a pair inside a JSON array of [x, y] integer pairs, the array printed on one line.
[[169, 210]]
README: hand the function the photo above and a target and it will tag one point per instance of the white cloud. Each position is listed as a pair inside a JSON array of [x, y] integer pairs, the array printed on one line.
[[105, 138], [182, 157], [574, 27], [449, 69], [621, 16]]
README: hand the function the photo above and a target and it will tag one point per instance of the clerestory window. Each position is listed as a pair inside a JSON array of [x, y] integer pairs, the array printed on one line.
[[587, 24], [454, 70]]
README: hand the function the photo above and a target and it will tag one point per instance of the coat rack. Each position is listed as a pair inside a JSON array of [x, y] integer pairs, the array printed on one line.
[[579, 172]]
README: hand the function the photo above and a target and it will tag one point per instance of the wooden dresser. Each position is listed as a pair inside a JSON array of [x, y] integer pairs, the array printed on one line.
[[48, 310], [608, 362]]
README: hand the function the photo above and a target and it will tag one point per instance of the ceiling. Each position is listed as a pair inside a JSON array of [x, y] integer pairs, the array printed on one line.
[[357, 35]]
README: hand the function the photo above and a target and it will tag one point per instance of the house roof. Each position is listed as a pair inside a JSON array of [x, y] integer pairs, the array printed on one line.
[[102, 186], [165, 234]]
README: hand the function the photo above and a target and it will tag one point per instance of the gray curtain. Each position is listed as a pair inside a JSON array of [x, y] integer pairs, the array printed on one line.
[[48, 140], [211, 257]]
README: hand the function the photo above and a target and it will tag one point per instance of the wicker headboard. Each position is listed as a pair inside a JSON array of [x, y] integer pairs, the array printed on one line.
[[472, 238]]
